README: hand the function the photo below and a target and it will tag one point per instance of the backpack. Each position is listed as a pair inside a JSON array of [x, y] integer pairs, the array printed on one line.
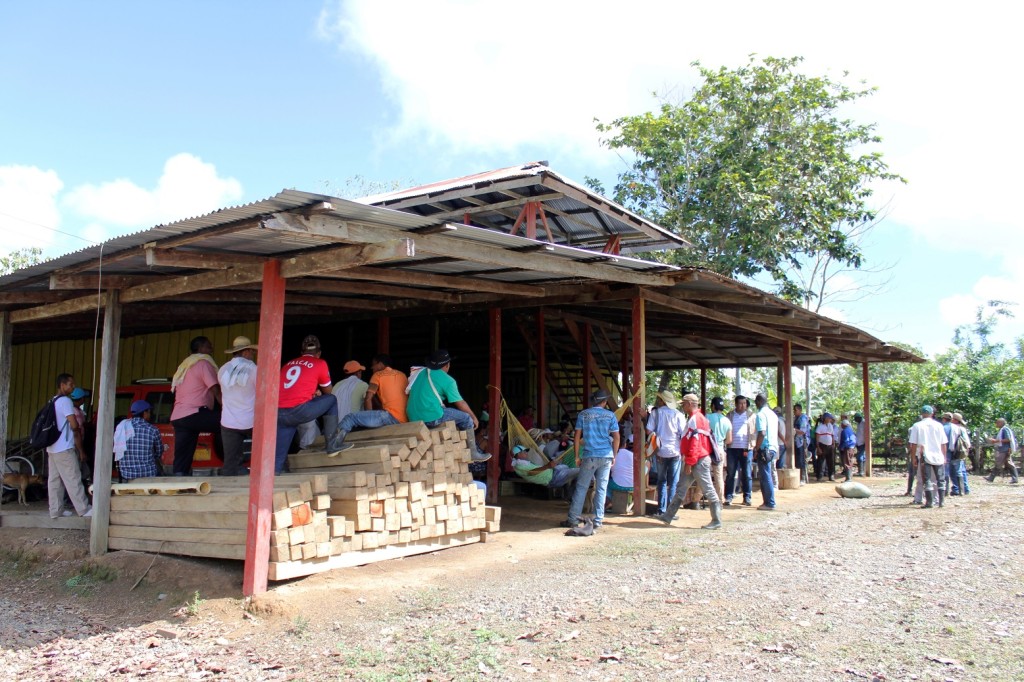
[[961, 450], [45, 431], [717, 451]]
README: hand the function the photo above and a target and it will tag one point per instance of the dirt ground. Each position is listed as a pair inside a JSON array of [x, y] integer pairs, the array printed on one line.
[[823, 589]]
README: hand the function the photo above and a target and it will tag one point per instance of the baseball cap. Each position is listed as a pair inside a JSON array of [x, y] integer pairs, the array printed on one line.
[[311, 342], [140, 406], [438, 359], [353, 366], [927, 409], [79, 392]]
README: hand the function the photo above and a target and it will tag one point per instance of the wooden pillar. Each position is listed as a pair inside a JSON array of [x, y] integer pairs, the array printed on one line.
[[787, 399], [494, 403], [587, 365], [105, 424], [627, 387], [384, 335], [867, 419], [264, 431], [5, 384], [704, 390], [639, 329], [542, 373]]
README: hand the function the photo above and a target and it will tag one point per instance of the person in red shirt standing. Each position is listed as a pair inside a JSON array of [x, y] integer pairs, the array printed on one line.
[[305, 394], [696, 450]]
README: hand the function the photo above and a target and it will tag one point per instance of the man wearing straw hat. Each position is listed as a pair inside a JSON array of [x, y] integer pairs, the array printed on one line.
[[668, 425], [237, 379]]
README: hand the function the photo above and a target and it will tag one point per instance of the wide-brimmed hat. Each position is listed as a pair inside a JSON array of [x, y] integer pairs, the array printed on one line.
[[959, 418], [353, 366], [438, 359], [668, 398], [239, 344], [690, 398], [140, 406], [947, 415]]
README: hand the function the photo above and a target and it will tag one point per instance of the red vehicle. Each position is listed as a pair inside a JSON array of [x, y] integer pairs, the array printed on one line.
[[157, 392]]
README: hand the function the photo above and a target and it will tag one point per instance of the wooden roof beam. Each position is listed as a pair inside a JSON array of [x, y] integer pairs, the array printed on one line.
[[457, 282], [199, 260], [456, 193], [96, 282]]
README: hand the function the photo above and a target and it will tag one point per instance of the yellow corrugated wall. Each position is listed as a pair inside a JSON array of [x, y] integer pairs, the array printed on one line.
[[35, 366]]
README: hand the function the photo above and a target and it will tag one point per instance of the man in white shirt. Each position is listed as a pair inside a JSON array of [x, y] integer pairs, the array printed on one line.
[[237, 379], [65, 455], [928, 441], [738, 454], [669, 425], [825, 447]]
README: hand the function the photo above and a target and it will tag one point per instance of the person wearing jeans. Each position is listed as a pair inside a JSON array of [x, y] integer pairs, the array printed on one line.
[[696, 448], [305, 394], [667, 424], [432, 390], [597, 430], [767, 447], [738, 454]]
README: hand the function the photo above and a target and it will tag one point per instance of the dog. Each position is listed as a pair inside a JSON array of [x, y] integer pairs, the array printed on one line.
[[586, 530], [22, 482]]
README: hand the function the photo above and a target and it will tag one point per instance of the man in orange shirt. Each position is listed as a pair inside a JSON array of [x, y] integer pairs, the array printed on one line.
[[387, 387]]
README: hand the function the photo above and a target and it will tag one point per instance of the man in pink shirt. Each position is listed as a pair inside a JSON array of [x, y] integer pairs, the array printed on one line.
[[195, 388]]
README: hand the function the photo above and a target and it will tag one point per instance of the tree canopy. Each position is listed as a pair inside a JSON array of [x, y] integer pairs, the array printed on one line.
[[758, 169], [22, 258]]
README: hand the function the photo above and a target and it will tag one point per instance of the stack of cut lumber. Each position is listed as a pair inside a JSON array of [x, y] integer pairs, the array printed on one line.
[[402, 490]]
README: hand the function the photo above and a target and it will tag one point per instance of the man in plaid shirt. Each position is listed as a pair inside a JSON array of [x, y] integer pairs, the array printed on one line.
[[144, 448]]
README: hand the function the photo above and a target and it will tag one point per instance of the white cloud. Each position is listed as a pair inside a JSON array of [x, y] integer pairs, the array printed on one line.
[[960, 309], [28, 200], [188, 187]]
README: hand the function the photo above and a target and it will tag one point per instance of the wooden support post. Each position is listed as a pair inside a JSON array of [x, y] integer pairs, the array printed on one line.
[[704, 390], [542, 363], [627, 385], [639, 358], [787, 399], [494, 403], [264, 432], [867, 418], [105, 423], [531, 219], [384, 335], [5, 384], [588, 364]]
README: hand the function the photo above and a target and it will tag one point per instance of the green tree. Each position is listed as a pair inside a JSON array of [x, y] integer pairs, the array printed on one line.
[[758, 169], [22, 258]]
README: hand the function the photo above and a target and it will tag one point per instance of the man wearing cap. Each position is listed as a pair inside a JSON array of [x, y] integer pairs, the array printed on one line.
[[237, 379], [597, 430], [430, 395], [66, 455], [696, 448], [195, 391], [848, 448], [668, 425], [721, 430], [957, 464], [387, 386], [928, 441], [78, 398], [742, 420], [305, 395], [1006, 448], [553, 474], [350, 392], [766, 449], [142, 446]]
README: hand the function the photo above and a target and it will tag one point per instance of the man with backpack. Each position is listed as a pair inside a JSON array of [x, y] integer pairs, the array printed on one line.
[[1006, 448], [960, 444], [65, 454], [697, 448]]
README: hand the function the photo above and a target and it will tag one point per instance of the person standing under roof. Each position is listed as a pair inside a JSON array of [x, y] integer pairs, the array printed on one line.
[[237, 379], [742, 419], [597, 430], [195, 390], [721, 430], [668, 425], [696, 448]]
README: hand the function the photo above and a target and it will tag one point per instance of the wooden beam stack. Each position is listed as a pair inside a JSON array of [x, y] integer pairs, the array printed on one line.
[[402, 490]]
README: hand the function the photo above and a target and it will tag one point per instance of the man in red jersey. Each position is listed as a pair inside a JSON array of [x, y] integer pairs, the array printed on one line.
[[305, 394]]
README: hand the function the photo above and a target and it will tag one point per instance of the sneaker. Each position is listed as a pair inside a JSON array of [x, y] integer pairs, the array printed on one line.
[[66, 513], [340, 449], [727, 503], [569, 524], [88, 513], [746, 503], [481, 456], [765, 507]]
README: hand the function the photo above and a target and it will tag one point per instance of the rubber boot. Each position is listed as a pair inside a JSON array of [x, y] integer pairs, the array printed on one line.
[[716, 517], [929, 497], [991, 478], [942, 496], [670, 511], [848, 471], [860, 468], [1013, 472]]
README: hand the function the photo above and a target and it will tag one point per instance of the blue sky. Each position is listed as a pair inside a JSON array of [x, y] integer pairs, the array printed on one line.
[[116, 116]]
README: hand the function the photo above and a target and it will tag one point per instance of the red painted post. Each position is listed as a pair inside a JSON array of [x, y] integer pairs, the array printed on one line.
[[867, 419], [264, 432], [531, 219], [494, 404], [384, 335], [787, 398], [639, 328], [587, 365], [542, 372]]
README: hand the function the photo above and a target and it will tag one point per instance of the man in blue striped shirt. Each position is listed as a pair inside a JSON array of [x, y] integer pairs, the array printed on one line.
[[143, 449], [598, 431]]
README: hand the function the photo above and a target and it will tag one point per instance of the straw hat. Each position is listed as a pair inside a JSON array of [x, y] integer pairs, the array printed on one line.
[[239, 344], [668, 398]]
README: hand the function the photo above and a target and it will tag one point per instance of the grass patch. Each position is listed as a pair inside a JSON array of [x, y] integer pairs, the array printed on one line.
[[19, 562], [300, 627], [193, 605], [90, 575], [434, 654]]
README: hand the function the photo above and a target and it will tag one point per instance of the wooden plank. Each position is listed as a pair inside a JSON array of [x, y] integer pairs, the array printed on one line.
[[181, 519], [214, 502], [95, 282], [200, 549], [370, 454], [164, 487], [41, 519], [471, 284], [288, 570], [105, 424], [225, 536], [416, 430], [199, 260]]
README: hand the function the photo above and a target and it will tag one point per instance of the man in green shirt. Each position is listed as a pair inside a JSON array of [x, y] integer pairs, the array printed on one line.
[[553, 474], [432, 390]]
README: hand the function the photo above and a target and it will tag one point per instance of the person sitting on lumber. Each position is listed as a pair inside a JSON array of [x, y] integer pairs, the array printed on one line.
[[387, 387], [554, 474], [137, 445], [432, 390]]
